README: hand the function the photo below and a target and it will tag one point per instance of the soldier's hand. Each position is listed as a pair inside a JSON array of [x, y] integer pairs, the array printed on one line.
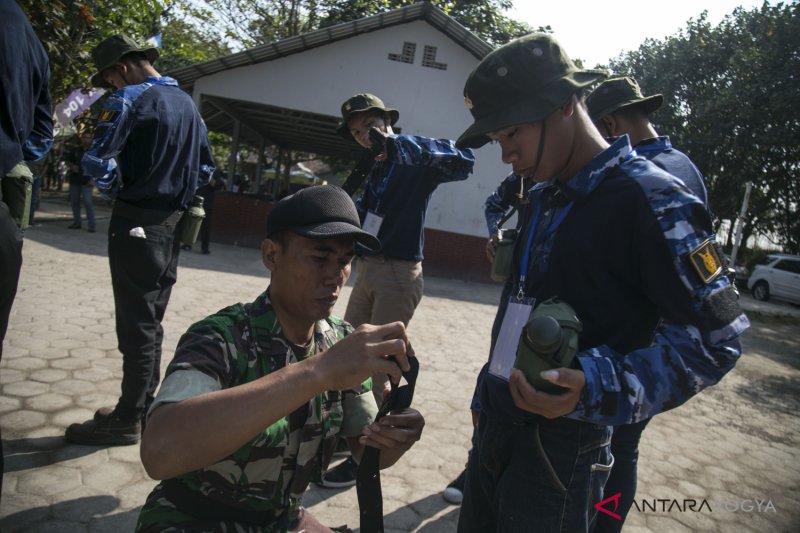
[[397, 430], [367, 351], [308, 523], [541, 403], [491, 248]]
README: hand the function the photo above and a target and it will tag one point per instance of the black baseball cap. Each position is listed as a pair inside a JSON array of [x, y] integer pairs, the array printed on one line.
[[320, 212]]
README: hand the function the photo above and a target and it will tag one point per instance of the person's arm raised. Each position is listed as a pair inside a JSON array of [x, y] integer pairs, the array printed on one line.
[[194, 433]]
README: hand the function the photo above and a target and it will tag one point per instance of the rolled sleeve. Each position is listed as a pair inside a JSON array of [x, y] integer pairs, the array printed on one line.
[[359, 411], [182, 385]]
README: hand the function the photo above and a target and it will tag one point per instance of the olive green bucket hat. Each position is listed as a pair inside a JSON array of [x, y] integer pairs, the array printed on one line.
[[615, 93], [359, 103], [521, 82], [111, 50]]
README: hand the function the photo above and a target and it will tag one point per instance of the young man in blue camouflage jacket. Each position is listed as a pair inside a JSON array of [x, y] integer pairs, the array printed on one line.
[[403, 177], [618, 107], [150, 154], [630, 248]]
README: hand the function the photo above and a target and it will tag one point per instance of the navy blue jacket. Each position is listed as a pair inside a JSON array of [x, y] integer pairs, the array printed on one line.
[[399, 189], [151, 147], [654, 332], [26, 124], [660, 151]]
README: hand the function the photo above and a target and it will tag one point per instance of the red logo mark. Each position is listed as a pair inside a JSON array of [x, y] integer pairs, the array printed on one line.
[[615, 499]]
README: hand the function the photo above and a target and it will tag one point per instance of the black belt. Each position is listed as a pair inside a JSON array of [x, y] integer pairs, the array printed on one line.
[[368, 481], [199, 506], [145, 216]]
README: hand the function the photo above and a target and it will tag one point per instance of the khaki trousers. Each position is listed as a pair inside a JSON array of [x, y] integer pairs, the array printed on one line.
[[386, 290]]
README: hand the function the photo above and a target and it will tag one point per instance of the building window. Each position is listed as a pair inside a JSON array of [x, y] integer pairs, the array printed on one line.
[[409, 51], [429, 58]]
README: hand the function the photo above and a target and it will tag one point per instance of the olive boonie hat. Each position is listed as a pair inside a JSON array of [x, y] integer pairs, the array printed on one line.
[[320, 212], [520, 82], [357, 104], [110, 51], [615, 93]]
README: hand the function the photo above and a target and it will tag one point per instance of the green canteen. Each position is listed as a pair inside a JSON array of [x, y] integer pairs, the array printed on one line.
[[504, 255], [549, 340], [189, 225]]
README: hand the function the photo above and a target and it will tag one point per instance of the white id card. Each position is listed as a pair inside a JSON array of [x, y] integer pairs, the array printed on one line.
[[505, 349], [372, 223]]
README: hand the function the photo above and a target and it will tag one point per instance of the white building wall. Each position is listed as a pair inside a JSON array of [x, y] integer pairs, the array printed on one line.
[[430, 101]]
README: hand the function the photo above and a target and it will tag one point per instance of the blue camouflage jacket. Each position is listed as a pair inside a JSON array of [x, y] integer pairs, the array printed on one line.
[[659, 150], [634, 257], [501, 200], [399, 189], [150, 147]]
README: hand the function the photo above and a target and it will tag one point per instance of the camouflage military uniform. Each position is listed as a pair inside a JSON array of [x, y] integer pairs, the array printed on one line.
[[262, 481]]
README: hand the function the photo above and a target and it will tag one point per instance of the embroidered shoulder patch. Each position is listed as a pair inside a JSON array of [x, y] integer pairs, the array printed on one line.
[[706, 261], [108, 115]]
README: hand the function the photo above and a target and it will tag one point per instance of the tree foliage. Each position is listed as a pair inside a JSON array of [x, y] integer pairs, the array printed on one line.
[[485, 18], [69, 29], [732, 104], [247, 23], [183, 43]]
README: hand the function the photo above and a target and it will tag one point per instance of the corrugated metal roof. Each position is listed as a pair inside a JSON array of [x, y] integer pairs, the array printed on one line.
[[293, 129]]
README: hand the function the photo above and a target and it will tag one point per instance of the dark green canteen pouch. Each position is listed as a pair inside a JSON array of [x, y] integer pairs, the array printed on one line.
[[189, 225], [504, 255], [16, 189]]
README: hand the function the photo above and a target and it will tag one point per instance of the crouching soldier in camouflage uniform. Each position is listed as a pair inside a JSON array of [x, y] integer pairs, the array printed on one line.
[[257, 393]]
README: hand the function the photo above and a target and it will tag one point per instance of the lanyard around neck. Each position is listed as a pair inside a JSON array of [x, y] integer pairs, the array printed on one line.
[[378, 189], [528, 246]]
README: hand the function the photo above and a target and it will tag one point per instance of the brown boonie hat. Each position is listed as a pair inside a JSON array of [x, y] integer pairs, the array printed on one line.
[[359, 103], [111, 50], [615, 93], [521, 82]]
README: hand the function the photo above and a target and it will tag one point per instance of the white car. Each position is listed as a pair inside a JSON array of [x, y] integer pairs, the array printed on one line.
[[776, 276]]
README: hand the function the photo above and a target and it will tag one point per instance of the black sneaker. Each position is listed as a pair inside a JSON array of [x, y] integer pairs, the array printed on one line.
[[341, 476], [454, 493], [105, 429]]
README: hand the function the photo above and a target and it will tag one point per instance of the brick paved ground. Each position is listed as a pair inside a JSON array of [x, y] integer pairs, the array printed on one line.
[[736, 443]]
